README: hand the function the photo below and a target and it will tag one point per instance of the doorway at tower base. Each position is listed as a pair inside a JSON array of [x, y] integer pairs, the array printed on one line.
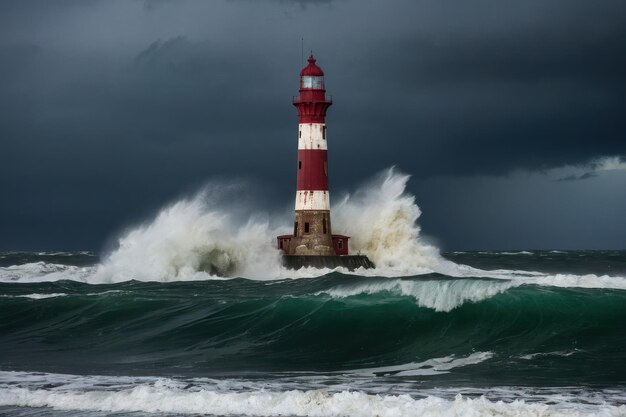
[[350, 262]]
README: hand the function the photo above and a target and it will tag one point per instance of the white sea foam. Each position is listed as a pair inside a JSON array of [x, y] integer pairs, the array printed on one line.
[[561, 353], [513, 253], [381, 217], [448, 294], [577, 281], [521, 277], [42, 296], [43, 272], [433, 366], [440, 295], [196, 238], [204, 396], [36, 296]]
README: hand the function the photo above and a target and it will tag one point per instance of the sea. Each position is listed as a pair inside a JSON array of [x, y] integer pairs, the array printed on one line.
[[191, 313]]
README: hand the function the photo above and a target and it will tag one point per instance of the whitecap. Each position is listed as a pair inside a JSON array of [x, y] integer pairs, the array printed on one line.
[[202, 396], [44, 272], [434, 366], [440, 295]]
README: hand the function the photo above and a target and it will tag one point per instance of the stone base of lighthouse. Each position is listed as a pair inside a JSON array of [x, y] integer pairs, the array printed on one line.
[[350, 262], [311, 234]]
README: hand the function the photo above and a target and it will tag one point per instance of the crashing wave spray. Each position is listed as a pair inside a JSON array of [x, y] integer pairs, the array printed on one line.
[[195, 238], [382, 218], [208, 236]]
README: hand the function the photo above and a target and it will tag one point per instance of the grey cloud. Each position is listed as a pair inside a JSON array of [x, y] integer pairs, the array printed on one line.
[[587, 175], [584, 176]]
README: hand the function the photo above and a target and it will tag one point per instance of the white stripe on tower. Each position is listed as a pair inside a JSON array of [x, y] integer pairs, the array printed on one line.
[[312, 136], [312, 200]]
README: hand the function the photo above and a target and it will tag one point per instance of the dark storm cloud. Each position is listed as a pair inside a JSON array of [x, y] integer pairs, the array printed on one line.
[[74, 135], [487, 102], [109, 109]]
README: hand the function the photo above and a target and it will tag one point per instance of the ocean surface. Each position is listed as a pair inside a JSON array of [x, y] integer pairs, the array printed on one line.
[[191, 313], [544, 334]]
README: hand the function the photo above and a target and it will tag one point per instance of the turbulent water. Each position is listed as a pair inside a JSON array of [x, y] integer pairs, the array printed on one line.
[[193, 314]]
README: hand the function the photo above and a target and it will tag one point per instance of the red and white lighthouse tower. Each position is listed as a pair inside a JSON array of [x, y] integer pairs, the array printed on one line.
[[312, 234]]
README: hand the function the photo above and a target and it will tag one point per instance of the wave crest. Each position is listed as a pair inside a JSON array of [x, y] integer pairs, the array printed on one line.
[[44, 271], [440, 295]]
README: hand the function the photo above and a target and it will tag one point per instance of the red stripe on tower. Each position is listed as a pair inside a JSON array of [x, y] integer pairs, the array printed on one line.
[[312, 169]]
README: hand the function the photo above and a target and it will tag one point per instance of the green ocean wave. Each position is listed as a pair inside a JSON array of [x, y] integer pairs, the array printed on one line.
[[326, 324]]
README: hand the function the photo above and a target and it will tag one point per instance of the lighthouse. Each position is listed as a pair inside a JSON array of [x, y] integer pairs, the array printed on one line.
[[312, 242]]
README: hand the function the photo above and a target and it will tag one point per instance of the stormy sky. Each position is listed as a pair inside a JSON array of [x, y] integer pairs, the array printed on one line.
[[510, 116]]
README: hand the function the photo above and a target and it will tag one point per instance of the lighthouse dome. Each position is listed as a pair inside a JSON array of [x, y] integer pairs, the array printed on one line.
[[312, 69]]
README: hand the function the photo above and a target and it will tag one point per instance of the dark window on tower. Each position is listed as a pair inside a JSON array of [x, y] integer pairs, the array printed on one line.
[[324, 226], [324, 132], [306, 227], [295, 229], [299, 164], [299, 133]]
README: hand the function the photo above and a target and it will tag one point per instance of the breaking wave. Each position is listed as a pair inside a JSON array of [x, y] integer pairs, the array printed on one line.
[[440, 294], [332, 323], [207, 236], [196, 238], [205, 396], [381, 217], [43, 271]]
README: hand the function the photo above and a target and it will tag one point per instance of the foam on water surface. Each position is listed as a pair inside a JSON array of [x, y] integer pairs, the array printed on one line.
[[433, 366], [289, 397], [45, 272]]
